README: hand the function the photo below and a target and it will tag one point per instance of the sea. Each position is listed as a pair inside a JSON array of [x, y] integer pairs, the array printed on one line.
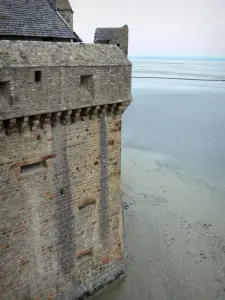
[[178, 110], [173, 181]]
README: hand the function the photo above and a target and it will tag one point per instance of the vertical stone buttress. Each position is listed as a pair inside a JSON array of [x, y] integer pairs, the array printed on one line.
[[63, 210], [104, 189]]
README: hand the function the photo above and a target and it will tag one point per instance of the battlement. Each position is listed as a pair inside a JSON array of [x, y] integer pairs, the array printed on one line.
[[58, 54], [64, 117], [46, 77]]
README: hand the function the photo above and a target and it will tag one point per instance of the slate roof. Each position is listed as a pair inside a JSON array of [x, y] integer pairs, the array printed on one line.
[[32, 18], [105, 34]]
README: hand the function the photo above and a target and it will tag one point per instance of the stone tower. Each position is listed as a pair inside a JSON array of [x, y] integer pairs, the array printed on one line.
[[61, 105], [113, 36]]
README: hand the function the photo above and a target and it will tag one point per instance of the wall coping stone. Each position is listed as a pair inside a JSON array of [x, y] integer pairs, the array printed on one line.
[[16, 54]]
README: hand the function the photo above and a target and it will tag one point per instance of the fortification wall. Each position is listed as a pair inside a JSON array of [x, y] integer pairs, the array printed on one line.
[[60, 205], [62, 87], [42, 77], [60, 143]]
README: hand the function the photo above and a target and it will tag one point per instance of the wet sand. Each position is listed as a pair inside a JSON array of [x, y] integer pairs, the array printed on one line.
[[175, 232], [173, 184]]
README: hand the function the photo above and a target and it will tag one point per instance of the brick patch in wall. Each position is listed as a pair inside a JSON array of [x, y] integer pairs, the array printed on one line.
[[4, 246], [48, 157], [85, 252], [84, 202], [111, 143], [49, 298], [105, 260], [48, 196], [112, 258]]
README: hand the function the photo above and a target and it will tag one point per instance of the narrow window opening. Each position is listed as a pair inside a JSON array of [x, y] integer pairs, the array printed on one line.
[[32, 167], [5, 93], [118, 45], [38, 76], [86, 81]]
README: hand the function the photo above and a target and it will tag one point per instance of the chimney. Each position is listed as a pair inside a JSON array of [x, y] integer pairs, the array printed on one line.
[[64, 8]]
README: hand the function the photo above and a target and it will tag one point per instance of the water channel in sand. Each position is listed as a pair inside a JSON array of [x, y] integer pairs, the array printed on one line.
[[173, 183]]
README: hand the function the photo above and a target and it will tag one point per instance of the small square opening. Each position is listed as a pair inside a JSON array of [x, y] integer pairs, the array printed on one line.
[[86, 79], [38, 76], [118, 45]]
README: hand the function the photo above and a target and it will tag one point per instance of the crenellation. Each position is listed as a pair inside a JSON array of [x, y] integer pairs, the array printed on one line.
[[66, 116]]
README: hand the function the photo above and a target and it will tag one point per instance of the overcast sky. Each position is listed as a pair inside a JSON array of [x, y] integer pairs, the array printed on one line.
[[158, 27]]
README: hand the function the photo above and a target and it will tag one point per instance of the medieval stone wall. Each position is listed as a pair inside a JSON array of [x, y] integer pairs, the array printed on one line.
[[54, 76], [60, 206], [60, 141], [63, 87]]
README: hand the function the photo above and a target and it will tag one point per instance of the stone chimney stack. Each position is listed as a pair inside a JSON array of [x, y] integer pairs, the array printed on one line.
[[65, 10], [114, 36]]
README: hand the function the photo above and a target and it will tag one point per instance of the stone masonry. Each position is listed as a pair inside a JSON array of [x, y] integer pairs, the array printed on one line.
[[61, 219], [113, 36]]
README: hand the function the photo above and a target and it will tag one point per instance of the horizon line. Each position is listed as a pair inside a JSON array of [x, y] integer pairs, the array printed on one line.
[[178, 57]]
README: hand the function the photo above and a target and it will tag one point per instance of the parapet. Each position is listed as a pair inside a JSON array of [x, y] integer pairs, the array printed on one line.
[[39, 78], [36, 54]]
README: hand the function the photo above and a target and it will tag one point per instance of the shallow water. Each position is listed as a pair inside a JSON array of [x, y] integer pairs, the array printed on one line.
[[173, 180]]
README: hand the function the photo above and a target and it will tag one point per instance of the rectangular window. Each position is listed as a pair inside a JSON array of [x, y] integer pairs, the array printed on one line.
[[5, 93], [86, 81], [38, 76], [32, 167]]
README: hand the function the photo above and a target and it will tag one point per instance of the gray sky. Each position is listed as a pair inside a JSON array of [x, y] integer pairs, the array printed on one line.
[[158, 27]]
